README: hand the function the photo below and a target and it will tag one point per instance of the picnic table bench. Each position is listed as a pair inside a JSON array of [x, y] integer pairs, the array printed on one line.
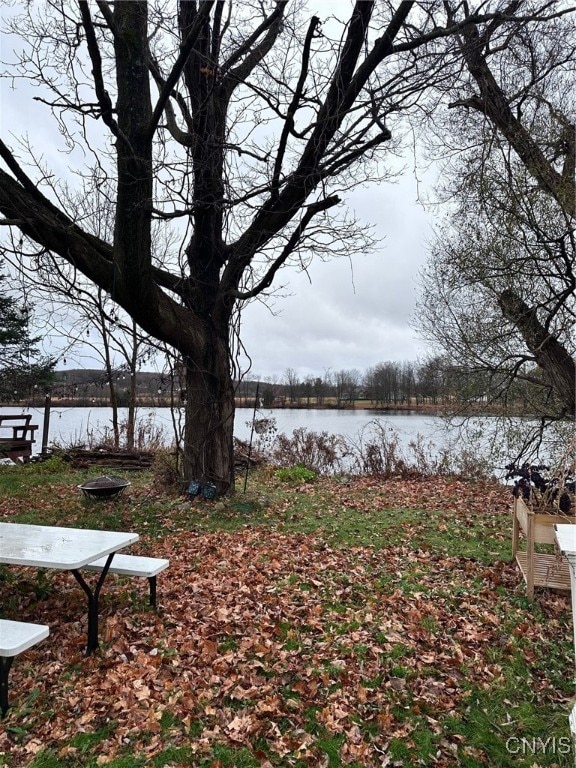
[[21, 436], [15, 637], [133, 565]]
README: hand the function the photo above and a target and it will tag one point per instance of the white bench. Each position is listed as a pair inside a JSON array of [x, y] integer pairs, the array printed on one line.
[[133, 565], [15, 637]]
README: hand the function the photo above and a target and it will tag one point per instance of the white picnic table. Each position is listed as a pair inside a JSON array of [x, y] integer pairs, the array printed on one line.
[[565, 536], [45, 546]]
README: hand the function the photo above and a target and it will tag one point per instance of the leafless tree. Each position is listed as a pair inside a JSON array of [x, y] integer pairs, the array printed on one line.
[[520, 83], [293, 383], [240, 125], [347, 382], [507, 249], [499, 290], [84, 314]]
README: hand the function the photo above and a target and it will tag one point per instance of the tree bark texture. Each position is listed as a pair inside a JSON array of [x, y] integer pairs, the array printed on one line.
[[555, 361], [209, 424]]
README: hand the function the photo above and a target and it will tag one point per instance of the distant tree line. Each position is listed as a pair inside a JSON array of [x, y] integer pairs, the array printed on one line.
[[388, 384], [435, 382], [85, 387]]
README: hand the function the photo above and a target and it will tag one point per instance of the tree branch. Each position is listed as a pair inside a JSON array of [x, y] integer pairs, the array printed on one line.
[[270, 21], [550, 355], [240, 73], [106, 11], [289, 248], [293, 106], [493, 103], [182, 137], [177, 69], [101, 93], [26, 182]]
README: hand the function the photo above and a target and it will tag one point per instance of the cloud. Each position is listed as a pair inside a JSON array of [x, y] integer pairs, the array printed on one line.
[[349, 314]]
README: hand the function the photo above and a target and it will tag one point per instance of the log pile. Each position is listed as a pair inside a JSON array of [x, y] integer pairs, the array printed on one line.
[[81, 459]]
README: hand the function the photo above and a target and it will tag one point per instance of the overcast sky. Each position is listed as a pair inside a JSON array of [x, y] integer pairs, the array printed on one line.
[[340, 314], [350, 314]]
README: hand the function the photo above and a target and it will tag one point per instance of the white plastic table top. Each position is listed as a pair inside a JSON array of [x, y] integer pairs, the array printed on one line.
[[566, 539], [47, 546]]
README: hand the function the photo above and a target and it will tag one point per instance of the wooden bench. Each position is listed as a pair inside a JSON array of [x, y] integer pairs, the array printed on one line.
[[538, 569], [19, 443], [15, 637], [134, 565]]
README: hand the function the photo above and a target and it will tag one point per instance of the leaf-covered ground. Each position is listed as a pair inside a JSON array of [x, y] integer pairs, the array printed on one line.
[[365, 623]]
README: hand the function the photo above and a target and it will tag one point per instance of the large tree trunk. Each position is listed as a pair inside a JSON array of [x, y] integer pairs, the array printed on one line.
[[208, 436], [556, 362]]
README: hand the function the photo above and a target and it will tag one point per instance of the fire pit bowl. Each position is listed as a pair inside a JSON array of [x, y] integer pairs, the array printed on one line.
[[104, 487]]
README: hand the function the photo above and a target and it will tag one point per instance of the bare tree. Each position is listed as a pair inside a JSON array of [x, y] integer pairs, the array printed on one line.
[[292, 383], [347, 382], [521, 85], [499, 293], [241, 125], [86, 315], [392, 382]]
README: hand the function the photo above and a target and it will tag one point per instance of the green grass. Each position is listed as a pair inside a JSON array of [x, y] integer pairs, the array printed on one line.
[[343, 525], [419, 583], [437, 531]]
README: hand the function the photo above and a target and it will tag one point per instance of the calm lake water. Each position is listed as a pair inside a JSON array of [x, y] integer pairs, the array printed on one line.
[[72, 425], [86, 426]]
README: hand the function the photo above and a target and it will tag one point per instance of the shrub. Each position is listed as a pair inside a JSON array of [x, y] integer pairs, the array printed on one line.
[[148, 436], [52, 466], [377, 451], [319, 452], [297, 474], [166, 471]]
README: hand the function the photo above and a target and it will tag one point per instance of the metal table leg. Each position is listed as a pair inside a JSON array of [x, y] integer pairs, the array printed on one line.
[[93, 597], [152, 583], [5, 664]]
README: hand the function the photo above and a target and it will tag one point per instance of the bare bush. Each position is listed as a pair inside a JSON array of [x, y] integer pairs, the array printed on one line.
[[318, 451], [166, 470], [377, 451], [148, 436]]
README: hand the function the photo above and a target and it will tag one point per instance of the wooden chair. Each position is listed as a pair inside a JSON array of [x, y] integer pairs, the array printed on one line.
[[19, 444], [538, 569]]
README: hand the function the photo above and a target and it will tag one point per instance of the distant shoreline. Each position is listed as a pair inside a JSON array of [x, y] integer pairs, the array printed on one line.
[[432, 409], [359, 405]]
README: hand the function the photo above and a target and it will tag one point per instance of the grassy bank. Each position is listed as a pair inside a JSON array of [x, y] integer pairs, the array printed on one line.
[[330, 623]]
